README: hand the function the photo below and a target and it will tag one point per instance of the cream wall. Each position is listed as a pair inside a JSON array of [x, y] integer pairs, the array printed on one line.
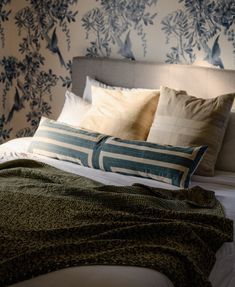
[[33, 78]]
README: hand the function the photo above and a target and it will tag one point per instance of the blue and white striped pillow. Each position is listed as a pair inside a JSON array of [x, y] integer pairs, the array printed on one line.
[[169, 164], [64, 142], [173, 165]]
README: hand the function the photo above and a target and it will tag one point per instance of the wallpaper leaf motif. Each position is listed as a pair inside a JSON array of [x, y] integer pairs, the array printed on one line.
[[195, 26], [4, 14], [27, 78], [197, 29], [111, 24]]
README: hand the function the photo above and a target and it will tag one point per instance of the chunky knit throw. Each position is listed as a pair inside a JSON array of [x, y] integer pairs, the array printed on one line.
[[50, 219]]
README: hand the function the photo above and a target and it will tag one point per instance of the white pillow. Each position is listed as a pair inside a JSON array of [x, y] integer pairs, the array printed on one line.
[[74, 109], [87, 95], [92, 82]]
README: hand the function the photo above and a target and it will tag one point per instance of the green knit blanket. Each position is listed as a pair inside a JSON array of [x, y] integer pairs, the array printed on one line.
[[50, 219]]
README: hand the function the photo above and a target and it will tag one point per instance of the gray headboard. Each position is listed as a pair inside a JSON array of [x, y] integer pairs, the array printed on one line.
[[198, 81]]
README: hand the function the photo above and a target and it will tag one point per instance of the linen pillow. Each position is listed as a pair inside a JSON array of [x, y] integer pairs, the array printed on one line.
[[64, 142], [226, 157], [87, 96], [187, 121], [74, 109], [125, 114], [173, 165], [169, 164]]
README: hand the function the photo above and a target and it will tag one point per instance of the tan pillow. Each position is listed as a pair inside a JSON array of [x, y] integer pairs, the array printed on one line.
[[183, 120], [226, 157], [124, 114]]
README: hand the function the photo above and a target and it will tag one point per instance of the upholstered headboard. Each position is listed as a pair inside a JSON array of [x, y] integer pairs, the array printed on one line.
[[199, 81]]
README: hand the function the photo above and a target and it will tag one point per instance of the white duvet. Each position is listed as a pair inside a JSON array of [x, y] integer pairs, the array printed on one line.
[[222, 275]]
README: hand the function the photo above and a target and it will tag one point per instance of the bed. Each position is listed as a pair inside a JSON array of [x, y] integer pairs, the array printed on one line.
[[139, 75]]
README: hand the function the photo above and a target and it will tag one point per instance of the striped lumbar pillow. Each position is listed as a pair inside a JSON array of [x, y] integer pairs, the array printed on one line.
[[169, 164], [173, 165], [64, 142]]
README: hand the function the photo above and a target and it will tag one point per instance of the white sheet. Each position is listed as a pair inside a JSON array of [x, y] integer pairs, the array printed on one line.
[[222, 275]]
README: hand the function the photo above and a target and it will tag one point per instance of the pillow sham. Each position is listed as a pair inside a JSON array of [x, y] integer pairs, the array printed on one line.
[[173, 165], [125, 114], [87, 95], [226, 157], [74, 109], [189, 121]]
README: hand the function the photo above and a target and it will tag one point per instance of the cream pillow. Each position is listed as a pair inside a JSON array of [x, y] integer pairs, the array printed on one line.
[[74, 109], [121, 113], [183, 120]]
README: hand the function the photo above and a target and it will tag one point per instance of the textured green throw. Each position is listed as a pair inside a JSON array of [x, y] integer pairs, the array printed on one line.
[[50, 220]]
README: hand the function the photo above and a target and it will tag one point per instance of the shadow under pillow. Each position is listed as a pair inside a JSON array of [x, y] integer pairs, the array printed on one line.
[[185, 120]]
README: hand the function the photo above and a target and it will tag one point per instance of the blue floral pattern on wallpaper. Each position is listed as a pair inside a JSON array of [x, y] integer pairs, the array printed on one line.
[[111, 24], [4, 16], [32, 85], [198, 26], [197, 29]]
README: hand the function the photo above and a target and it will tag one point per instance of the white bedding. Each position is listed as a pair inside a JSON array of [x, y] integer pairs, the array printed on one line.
[[222, 275]]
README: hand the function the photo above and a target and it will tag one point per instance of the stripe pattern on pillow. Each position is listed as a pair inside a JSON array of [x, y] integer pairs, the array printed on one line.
[[173, 165], [169, 164], [64, 142]]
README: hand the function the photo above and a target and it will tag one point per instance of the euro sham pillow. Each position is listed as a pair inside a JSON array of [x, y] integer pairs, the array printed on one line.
[[125, 114], [172, 165], [185, 120], [74, 109]]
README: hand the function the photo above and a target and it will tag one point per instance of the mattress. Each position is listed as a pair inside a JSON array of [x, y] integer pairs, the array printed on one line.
[[222, 275]]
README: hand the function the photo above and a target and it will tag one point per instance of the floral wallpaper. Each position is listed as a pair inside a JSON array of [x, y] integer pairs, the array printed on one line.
[[111, 25], [39, 38], [199, 26]]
